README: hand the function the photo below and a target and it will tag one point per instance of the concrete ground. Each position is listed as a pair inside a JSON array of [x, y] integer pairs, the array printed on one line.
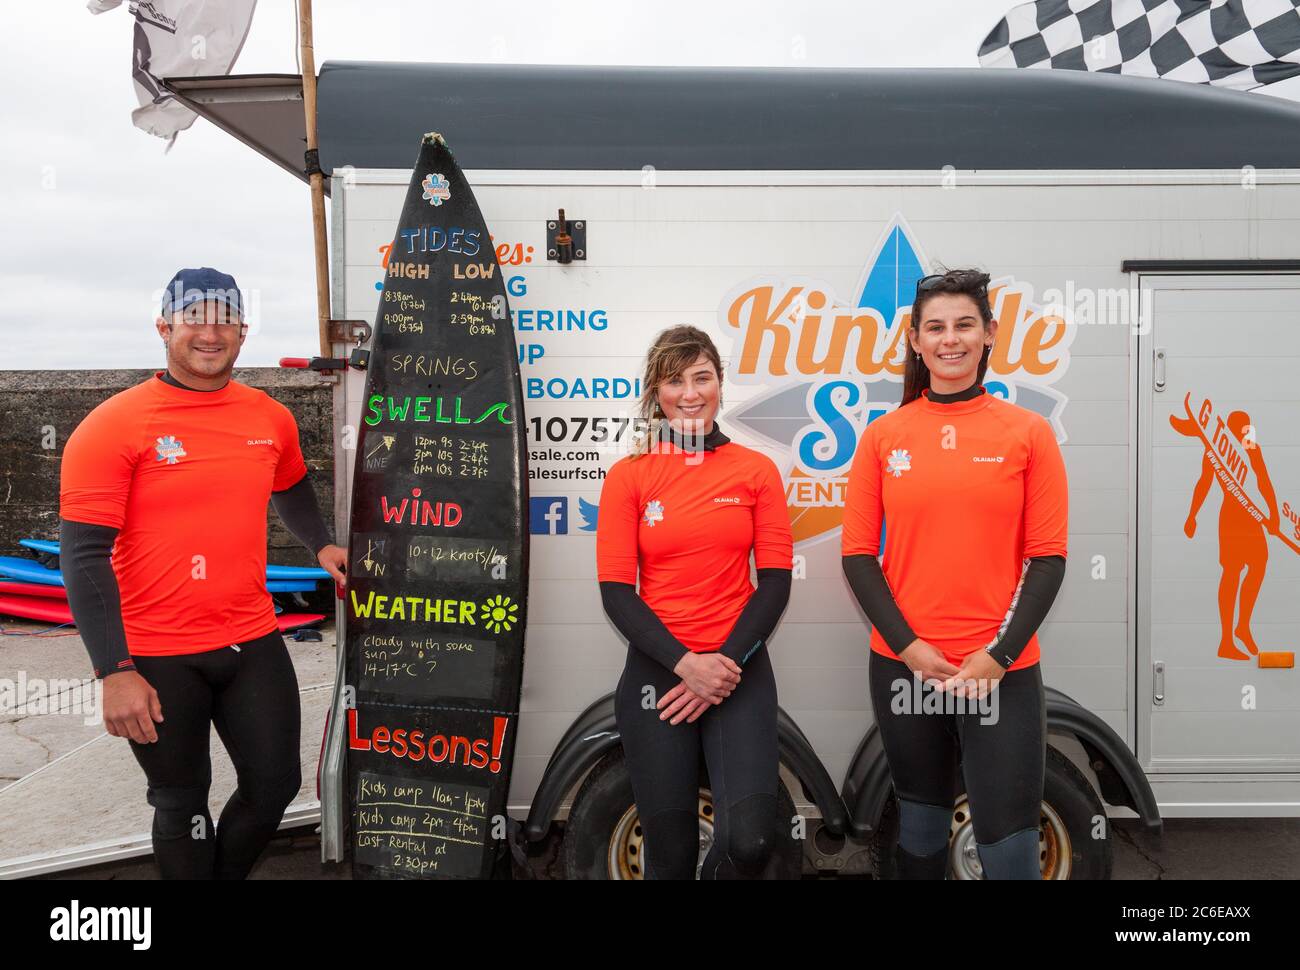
[[1191, 849], [65, 782], [96, 794]]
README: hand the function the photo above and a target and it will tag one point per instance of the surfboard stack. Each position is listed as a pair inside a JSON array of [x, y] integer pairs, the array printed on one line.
[[32, 588]]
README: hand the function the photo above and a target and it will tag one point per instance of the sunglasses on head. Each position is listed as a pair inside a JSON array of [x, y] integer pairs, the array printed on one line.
[[933, 280]]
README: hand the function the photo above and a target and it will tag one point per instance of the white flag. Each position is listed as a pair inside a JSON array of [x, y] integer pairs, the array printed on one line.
[[179, 38]]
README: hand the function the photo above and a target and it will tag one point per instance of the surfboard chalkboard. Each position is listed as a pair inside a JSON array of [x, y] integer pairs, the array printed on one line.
[[438, 550]]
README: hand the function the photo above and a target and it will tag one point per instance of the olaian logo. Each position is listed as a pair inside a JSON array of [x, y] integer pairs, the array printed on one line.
[[74, 923], [261, 441], [992, 458], [900, 460], [728, 500]]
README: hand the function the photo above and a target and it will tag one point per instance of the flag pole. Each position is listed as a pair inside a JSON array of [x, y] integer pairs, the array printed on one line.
[[316, 177]]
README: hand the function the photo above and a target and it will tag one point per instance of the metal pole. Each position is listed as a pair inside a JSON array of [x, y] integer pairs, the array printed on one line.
[[317, 179]]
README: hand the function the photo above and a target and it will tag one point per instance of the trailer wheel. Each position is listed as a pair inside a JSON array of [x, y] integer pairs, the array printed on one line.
[[603, 838], [1067, 849]]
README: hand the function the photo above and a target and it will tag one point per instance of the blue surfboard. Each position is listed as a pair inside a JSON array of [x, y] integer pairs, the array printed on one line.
[[33, 572], [29, 572]]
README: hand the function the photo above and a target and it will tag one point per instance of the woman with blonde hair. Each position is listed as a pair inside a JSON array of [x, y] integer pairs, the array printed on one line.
[[686, 512]]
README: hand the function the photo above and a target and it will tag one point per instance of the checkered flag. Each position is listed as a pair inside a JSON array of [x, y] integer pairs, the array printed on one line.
[[1228, 43]]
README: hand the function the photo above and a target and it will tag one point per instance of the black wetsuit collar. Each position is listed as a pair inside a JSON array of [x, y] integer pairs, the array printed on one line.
[[710, 442], [166, 378], [975, 390]]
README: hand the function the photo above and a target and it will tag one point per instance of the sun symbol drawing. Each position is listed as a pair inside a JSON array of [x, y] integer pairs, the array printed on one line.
[[499, 613], [437, 189], [654, 512], [900, 460]]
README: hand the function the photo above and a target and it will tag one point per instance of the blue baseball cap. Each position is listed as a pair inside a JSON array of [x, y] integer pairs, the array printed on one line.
[[194, 285]]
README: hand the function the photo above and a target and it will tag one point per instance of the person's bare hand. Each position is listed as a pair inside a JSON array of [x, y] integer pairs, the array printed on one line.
[[334, 560], [927, 660], [681, 704], [978, 676], [131, 707], [711, 676]]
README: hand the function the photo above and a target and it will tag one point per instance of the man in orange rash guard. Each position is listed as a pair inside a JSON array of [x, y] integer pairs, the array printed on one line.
[[973, 496], [173, 477]]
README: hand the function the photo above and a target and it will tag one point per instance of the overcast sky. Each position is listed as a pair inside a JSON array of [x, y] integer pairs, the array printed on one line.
[[96, 218]]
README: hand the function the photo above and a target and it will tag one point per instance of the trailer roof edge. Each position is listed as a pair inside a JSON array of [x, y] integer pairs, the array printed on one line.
[[561, 117]]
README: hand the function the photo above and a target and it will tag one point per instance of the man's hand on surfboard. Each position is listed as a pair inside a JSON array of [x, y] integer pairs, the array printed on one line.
[[334, 560], [131, 707]]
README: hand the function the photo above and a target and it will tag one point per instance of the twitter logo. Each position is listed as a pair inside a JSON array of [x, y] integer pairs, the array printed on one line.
[[588, 511]]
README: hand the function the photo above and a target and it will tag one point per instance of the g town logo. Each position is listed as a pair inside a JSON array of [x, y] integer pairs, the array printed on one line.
[[836, 365]]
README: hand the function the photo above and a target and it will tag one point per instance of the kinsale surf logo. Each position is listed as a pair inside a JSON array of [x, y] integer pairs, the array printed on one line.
[[830, 365]]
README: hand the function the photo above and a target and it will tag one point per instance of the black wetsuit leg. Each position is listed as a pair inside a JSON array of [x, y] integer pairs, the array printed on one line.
[[1001, 755], [740, 752], [1003, 761], [251, 695], [738, 741], [664, 763]]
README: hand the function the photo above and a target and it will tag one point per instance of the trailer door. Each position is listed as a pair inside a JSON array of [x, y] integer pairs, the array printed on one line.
[[1218, 545]]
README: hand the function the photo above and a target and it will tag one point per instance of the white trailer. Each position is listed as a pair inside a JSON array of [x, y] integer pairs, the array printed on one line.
[[1142, 239]]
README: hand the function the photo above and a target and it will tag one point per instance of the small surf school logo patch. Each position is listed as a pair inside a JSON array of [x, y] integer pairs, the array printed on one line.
[[437, 189], [654, 512], [169, 450], [900, 460]]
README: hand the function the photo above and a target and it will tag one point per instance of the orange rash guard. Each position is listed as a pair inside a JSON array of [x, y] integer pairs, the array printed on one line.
[[689, 521], [186, 478], [969, 490]]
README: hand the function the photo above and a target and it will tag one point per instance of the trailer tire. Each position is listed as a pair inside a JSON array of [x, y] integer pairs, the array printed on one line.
[[602, 837], [1072, 811]]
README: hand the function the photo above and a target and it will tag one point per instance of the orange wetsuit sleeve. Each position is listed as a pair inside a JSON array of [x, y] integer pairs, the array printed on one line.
[[863, 512], [773, 545], [96, 471], [1047, 495], [616, 527]]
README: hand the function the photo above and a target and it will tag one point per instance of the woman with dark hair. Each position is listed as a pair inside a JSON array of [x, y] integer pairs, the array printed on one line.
[[973, 493], [686, 511]]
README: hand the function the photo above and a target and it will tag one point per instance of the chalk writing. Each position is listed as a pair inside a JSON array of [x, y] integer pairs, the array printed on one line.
[[382, 407], [422, 365], [450, 666], [420, 827]]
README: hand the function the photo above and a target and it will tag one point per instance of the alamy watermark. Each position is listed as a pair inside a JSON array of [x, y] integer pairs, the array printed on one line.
[[1101, 306], [32, 696], [912, 695]]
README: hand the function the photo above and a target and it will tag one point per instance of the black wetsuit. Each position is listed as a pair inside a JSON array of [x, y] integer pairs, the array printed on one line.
[[1001, 755], [737, 738]]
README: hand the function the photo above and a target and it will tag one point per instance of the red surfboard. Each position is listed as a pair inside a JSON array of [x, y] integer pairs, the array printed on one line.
[[11, 588], [36, 608], [291, 621]]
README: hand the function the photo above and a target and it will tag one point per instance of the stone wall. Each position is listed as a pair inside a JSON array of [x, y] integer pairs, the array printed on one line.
[[39, 409]]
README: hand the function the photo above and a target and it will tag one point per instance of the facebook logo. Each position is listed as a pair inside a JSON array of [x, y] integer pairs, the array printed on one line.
[[548, 515]]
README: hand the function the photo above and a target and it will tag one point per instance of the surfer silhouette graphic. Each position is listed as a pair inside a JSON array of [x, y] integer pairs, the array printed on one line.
[[1243, 543]]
